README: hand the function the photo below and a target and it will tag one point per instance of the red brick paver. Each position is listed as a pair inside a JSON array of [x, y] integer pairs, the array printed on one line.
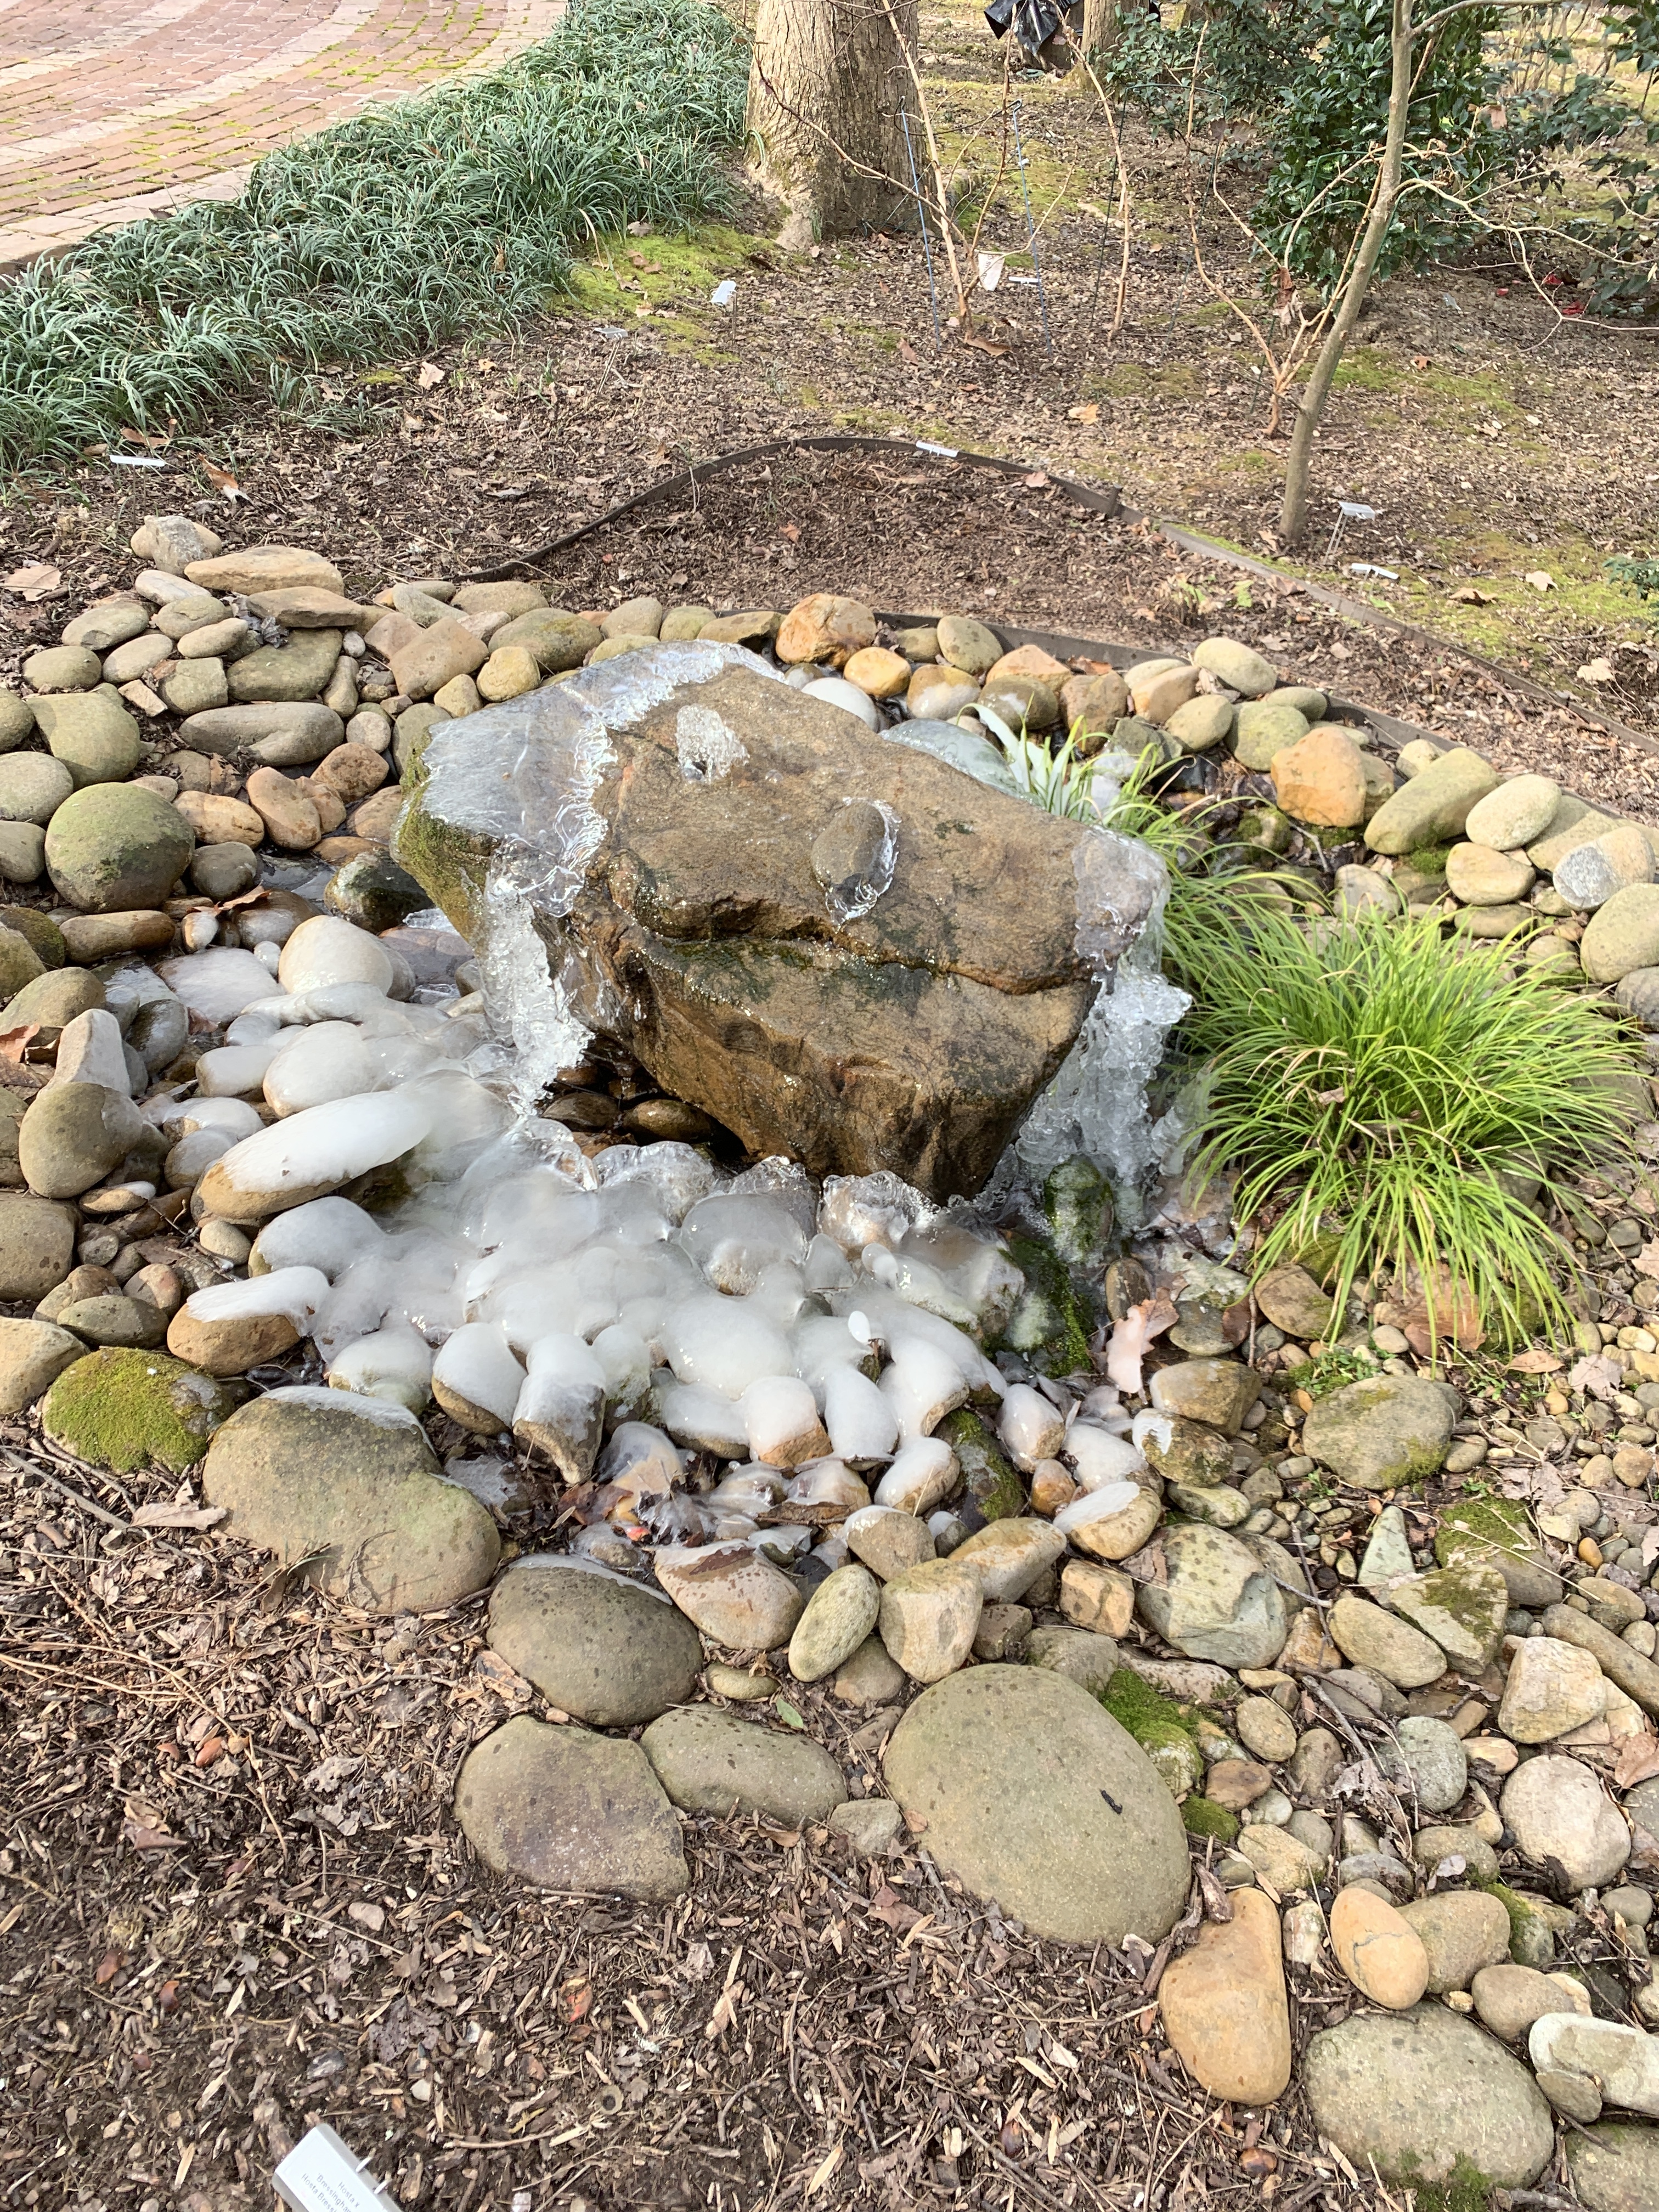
[[111, 110]]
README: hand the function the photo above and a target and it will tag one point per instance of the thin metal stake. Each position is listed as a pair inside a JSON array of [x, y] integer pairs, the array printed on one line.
[[1031, 232], [926, 245]]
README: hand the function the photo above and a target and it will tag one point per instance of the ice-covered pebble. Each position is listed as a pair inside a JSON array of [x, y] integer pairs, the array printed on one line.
[[476, 1378], [326, 951], [394, 1364]]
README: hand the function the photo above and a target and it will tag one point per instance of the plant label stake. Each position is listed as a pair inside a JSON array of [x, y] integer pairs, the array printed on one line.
[[1030, 232], [320, 2174], [927, 243]]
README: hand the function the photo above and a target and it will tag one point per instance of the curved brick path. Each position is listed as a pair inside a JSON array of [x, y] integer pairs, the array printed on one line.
[[111, 109]]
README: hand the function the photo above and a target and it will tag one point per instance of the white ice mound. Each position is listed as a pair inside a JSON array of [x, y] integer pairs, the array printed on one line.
[[314, 1066], [1098, 1457], [394, 1364], [330, 1233], [476, 1366], [218, 983], [295, 1291], [924, 1473], [324, 1146], [326, 951], [725, 1343]]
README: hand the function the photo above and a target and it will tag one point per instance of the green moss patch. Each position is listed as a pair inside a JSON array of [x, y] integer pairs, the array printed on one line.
[[1203, 1817], [124, 1410], [1049, 1325]]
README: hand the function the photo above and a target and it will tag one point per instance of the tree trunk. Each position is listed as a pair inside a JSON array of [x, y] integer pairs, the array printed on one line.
[[1293, 515], [1101, 21], [827, 85]]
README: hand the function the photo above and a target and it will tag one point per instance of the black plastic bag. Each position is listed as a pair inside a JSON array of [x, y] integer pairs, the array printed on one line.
[[1033, 22]]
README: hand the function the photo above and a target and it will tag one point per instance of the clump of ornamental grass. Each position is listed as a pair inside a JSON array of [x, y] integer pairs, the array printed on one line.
[[380, 236], [1393, 1100]]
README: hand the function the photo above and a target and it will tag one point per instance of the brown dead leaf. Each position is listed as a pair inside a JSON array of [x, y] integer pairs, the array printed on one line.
[[1638, 1761], [889, 1907], [575, 2000], [165, 1514], [791, 531], [1537, 1361], [907, 353], [143, 1837], [14, 1044], [1471, 595], [1035, 482], [147, 439], [1646, 1261], [1421, 361], [430, 376], [222, 481], [1089, 412], [34, 580], [108, 1967], [985, 346]]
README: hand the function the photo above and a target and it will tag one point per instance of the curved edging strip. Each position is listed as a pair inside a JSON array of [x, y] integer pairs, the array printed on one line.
[[1099, 500]]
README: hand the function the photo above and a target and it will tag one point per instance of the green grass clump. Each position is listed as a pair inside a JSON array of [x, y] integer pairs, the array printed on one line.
[[379, 236], [1370, 1075]]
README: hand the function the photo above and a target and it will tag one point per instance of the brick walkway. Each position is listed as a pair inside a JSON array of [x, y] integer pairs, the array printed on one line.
[[109, 110]]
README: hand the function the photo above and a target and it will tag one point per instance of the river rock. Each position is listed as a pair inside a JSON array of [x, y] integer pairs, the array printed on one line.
[[1225, 2008], [278, 733], [1292, 1301], [114, 847], [1005, 1556], [711, 1761], [1462, 1607], [1508, 1999], [1551, 1687], [1385, 1432], [888, 1541], [33, 1354], [1497, 1530], [1434, 806], [1622, 2061], [1264, 1729], [931, 1011], [562, 1809], [608, 1651], [1241, 669], [351, 1486], [1479, 875], [33, 787], [928, 1616], [1461, 1930], [1387, 1646], [1381, 1954], [36, 1245], [1220, 1602], [1614, 2168], [94, 737], [1431, 1758], [1279, 1858], [126, 1409], [840, 1614], [73, 1135], [1320, 780], [734, 1595], [1516, 813], [1622, 935], [1217, 1393], [1557, 1809], [1421, 2091], [1030, 1792], [1076, 1653]]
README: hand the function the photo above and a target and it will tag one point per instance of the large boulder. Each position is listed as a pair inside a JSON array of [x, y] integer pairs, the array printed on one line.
[[800, 927], [1024, 1786]]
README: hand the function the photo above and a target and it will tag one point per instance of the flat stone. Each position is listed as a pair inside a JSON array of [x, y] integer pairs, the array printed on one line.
[[279, 733], [1096, 1597], [1429, 1758], [1241, 669], [711, 1761], [1279, 1858], [33, 787], [351, 1486], [1463, 1607], [609, 1652], [565, 1810], [1292, 1301], [1031, 1793], [1006, 1555], [1382, 1433], [1435, 805], [72, 1135], [1557, 1809], [869, 1677], [1461, 1930], [870, 1825], [1320, 780], [1388, 1646], [1433, 1845], [1479, 875], [1419, 2092], [1219, 1603], [1622, 2061], [840, 1614], [108, 623], [1217, 1393], [1264, 1729], [1619, 1662], [1225, 2008], [258, 569], [560, 641], [1081, 1656], [1497, 1531]]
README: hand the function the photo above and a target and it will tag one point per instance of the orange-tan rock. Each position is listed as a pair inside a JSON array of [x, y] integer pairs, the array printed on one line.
[[1224, 2008], [1380, 1952]]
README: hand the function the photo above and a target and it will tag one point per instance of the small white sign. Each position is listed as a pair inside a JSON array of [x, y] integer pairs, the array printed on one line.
[[320, 2174]]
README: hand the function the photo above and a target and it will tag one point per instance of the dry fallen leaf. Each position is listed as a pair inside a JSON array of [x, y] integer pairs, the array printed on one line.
[[165, 1515], [791, 531], [1471, 595], [430, 376], [888, 1906], [222, 481], [1599, 671], [1089, 412], [1638, 1761], [984, 345], [1535, 1362], [1540, 579], [907, 353], [1035, 482], [34, 580]]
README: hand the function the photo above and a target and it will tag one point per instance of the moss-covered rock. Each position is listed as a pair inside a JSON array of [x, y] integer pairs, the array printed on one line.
[[1050, 1322], [988, 1477], [448, 863], [1159, 1727], [1076, 1198], [124, 1410], [1203, 1817], [1532, 1942]]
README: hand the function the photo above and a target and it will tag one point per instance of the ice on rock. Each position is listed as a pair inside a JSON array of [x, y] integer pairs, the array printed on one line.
[[295, 1292], [476, 1379], [233, 1071], [1098, 1457], [705, 1419], [924, 1473], [677, 1175], [861, 1418], [918, 1284], [975, 1270], [1031, 1427], [314, 1066], [825, 1268], [922, 1385], [890, 1318], [781, 1417], [822, 1342], [626, 1359], [735, 1239], [467, 1121], [561, 1408], [250, 1028], [872, 1209], [724, 1343], [330, 1234], [330, 1002], [826, 1491], [313, 1153], [750, 1491], [394, 1364], [1111, 1522], [523, 1219], [218, 983], [326, 950], [639, 1462]]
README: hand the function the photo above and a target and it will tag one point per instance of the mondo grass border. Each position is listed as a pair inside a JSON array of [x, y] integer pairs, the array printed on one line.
[[381, 235]]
